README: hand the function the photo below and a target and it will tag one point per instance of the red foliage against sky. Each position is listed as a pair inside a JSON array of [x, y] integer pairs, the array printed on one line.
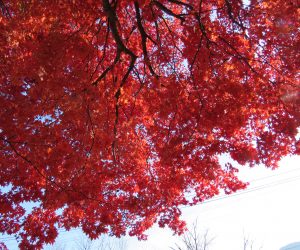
[[111, 111]]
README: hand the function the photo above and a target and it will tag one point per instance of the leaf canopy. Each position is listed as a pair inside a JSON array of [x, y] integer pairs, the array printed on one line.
[[114, 113]]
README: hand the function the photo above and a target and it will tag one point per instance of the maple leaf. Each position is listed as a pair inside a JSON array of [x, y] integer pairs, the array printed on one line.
[[113, 113]]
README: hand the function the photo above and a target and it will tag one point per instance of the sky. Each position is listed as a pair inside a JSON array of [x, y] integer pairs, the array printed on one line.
[[267, 213]]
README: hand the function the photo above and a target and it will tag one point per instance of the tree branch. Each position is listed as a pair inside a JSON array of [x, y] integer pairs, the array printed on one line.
[[144, 37], [168, 11]]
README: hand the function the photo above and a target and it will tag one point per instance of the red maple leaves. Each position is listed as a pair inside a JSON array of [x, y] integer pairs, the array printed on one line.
[[112, 111]]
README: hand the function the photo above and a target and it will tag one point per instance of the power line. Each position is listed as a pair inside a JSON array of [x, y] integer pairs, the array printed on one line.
[[268, 185], [250, 181], [274, 175]]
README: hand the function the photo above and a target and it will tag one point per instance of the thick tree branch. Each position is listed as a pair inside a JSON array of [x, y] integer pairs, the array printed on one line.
[[113, 20], [144, 37], [112, 23], [168, 11]]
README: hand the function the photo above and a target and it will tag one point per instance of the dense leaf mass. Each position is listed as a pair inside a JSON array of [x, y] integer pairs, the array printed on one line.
[[113, 113]]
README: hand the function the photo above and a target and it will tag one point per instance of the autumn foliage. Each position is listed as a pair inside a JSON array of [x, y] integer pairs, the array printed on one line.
[[114, 113]]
